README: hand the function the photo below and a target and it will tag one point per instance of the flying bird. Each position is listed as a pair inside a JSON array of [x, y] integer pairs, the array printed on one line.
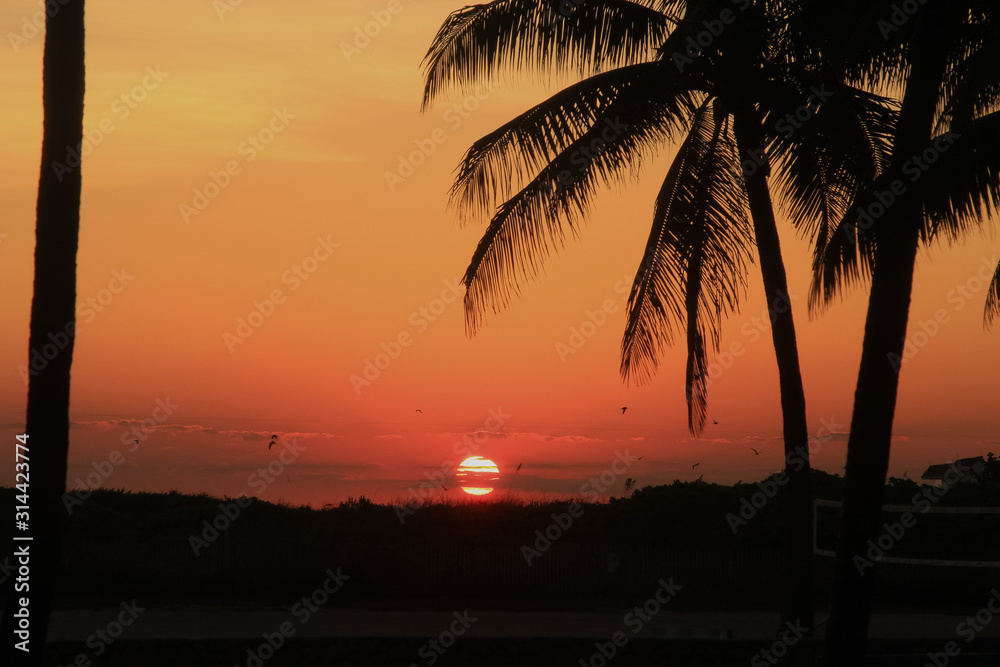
[[695, 465], [755, 452], [274, 439], [714, 422], [420, 411], [137, 442], [444, 487], [637, 458], [624, 409], [512, 477]]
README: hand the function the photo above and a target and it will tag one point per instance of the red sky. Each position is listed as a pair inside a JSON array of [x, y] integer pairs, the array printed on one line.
[[308, 131]]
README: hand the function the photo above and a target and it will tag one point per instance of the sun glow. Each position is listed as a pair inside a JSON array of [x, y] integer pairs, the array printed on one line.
[[477, 474]]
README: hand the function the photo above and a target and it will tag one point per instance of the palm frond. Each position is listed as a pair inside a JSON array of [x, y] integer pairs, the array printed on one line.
[[992, 311], [693, 270], [828, 158], [852, 40], [845, 260], [961, 188], [527, 227], [955, 179], [498, 165], [476, 43], [971, 87]]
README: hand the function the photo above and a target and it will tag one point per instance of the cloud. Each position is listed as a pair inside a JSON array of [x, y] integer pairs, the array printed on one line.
[[109, 424], [258, 436], [556, 466], [389, 436], [249, 436], [332, 471], [338, 467], [105, 423], [570, 438], [187, 428]]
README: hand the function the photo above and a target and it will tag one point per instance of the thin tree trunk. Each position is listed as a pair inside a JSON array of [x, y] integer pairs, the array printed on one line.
[[798, 490], [51, 330]]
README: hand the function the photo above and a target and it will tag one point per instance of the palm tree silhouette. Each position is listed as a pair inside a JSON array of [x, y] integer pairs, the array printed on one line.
[[536, 175], [52, 315], [992, 300], [945, 59]]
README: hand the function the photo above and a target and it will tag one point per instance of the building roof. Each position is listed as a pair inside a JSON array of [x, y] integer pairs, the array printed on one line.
[[939, 470]]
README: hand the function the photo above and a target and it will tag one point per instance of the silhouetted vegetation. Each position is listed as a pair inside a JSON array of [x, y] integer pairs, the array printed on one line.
[[164, 545]]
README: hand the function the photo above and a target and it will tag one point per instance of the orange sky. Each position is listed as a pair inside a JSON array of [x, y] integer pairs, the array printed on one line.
[[176, 93]]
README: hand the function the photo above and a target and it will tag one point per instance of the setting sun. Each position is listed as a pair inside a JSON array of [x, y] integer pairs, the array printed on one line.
[[477, 474]]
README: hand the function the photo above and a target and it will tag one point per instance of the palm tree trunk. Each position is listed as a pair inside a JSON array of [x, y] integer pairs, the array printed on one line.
[[869, 445], [798, 490], [52, 325]]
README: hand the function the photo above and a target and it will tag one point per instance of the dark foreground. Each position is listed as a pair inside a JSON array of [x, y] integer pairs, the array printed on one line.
[[502, 652], [188, 636]]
